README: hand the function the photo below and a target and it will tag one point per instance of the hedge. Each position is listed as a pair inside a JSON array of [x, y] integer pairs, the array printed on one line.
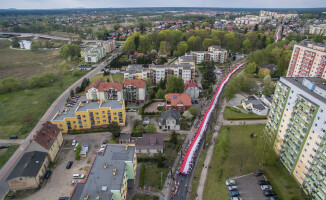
[[142, 176], [142, 109], [233, 109], [247, 117], [219, 174]]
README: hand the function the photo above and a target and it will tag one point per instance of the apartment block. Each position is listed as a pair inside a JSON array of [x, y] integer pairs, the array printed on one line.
[[318, 29], [161, 72], [134, 91], [109, 45], [308, 60], [214, 53], [110, 176], [135, 71], [91, 114], [297, 120], [93, 54]]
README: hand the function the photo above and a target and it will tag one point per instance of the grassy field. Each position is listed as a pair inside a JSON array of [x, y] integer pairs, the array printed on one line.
[[230, 114], [144, 197], [242, 150], [25, 63], [117, 77], [153, 175], [23, 109], [98, 77], [63, 34], [5, 154]]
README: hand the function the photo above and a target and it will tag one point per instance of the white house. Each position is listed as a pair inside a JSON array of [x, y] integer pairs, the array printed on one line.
[[192, 89], [169, 120]]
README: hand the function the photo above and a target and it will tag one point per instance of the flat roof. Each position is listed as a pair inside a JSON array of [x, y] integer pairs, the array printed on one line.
[[113, 104], [69, 114], [101, 181]]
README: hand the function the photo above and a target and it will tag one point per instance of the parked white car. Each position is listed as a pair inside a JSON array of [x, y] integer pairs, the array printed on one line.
[[73, 182], [161, 104], [230, 182], [74, 143], [266, 187], [78, 176]]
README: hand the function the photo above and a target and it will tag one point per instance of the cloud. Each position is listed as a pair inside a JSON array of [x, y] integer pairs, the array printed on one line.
[[46, 4]]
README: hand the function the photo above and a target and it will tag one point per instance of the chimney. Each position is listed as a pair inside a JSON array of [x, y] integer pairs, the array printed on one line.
[[114, 171], [126, 147], [105, 165], [86, 196]]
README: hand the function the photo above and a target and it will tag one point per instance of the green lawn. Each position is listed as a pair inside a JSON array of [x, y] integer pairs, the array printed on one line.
[[144, 197], [98, 77], [5, 154], [23, 109], [117, 77], [25, 63], [242, 150], [229, 114], [152, 175]]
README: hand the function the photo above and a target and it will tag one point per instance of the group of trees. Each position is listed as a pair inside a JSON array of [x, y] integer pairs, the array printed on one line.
[[70, 52], [10, 84], [239, 82], [208, 77], [176, 42], [15, 42]]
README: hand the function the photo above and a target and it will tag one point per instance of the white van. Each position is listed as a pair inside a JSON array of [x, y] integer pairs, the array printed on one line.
[[78, 176]]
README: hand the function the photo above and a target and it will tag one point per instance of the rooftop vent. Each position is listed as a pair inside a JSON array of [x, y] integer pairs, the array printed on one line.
[[126, 147], [114, 171], [86, 196], [105, 165], [104, 188]]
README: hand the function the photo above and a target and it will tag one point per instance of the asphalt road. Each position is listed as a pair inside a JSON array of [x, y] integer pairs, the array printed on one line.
[[56, 106]]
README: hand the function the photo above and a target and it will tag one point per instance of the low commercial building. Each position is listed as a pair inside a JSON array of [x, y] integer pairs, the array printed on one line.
[[48, 139], [91, 114], [254, 105], [318, 29], [110, 176], [169, 120], [101, 90], [93, 54], [177, 101], [150, 144], [192, 89], [29, 171]]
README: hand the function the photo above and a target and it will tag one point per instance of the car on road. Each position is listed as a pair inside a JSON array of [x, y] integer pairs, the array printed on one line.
[[77, 95], [272, 198], [70, 105], [69, 164], [233, 188], [84, 101], [132, 110], [263, 182], [74, 143], [4, 146], [269, 193], [230, 182], [258, 173], [236, 198], [47, 174], [234, 194], [13, 137], [78, 176], [105, 141], [266, 187], [63, 198]]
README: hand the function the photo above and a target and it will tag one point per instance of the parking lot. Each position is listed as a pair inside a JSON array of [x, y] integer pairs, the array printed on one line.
[[249, 188], [153, 107], [59, 184]]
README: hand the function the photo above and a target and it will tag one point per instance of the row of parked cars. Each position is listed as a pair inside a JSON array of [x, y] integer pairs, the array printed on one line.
[[233, 189], [73, 100]]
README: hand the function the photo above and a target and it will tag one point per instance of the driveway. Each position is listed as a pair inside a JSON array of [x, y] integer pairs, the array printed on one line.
[[153, 107], [59, 184]]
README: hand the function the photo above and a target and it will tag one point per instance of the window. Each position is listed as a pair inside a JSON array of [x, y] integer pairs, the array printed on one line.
[[308, 144], [84, 116], [300, 161], [85, 125], [60, 125], [115, 118], [305, 150], [74, 122], [296, 172], [84, 120], [298, 167], [301, 178], [98, 122], [97, 118], [104, 120], [103, 112], [96, 113]]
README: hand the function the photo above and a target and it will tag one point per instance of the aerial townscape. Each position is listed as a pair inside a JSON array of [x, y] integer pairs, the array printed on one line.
[[171, 100]]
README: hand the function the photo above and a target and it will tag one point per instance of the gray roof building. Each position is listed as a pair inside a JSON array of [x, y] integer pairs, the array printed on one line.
[[29, 165], [150, 141], [167, 114]]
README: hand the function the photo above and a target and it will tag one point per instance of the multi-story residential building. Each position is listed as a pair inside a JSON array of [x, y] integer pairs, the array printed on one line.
[[93, 54], [91, 114], [102, 90], [48, 139], [297, 121], [251, 19], [308, 60], [264, 13], [186, 59], [177, 101], [135, 71], [134, 91], [215, 53], [318, 29], [111, 174], [161, 72], [29, 171], [109, 45]]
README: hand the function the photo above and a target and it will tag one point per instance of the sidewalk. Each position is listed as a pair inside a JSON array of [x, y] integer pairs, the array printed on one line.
[[202, 179]]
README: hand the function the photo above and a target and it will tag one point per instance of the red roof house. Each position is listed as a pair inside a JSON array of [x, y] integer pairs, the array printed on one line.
[[177, 101]]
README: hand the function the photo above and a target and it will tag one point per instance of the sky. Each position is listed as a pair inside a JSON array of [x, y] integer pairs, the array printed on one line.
[[49, 4]]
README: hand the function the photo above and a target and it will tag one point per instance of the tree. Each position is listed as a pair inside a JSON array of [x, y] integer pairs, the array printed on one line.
[[318, 38], [9, 84], [207, 43], [205, 24], [182, 47], [63, 68], [160, 162], [174, 84], [137, 42], [116, 26], [174, 138], [251, 68], [159, 94], [15, 42], [72, 93], [115, 129], [263, 72], [256, 27], [77, 152], [151, 128], [34, 46], [246, 45], [193, 111], [138, 130]]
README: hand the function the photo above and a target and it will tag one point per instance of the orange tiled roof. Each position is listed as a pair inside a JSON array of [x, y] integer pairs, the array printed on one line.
[[109, 85], [135, 82], [94, 85], [176, 98], [191, 83]]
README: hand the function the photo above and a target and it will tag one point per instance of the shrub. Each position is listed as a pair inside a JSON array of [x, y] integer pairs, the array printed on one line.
[[233, 109], [142, 176], [219, 174], [246, 117], [78, 149]]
